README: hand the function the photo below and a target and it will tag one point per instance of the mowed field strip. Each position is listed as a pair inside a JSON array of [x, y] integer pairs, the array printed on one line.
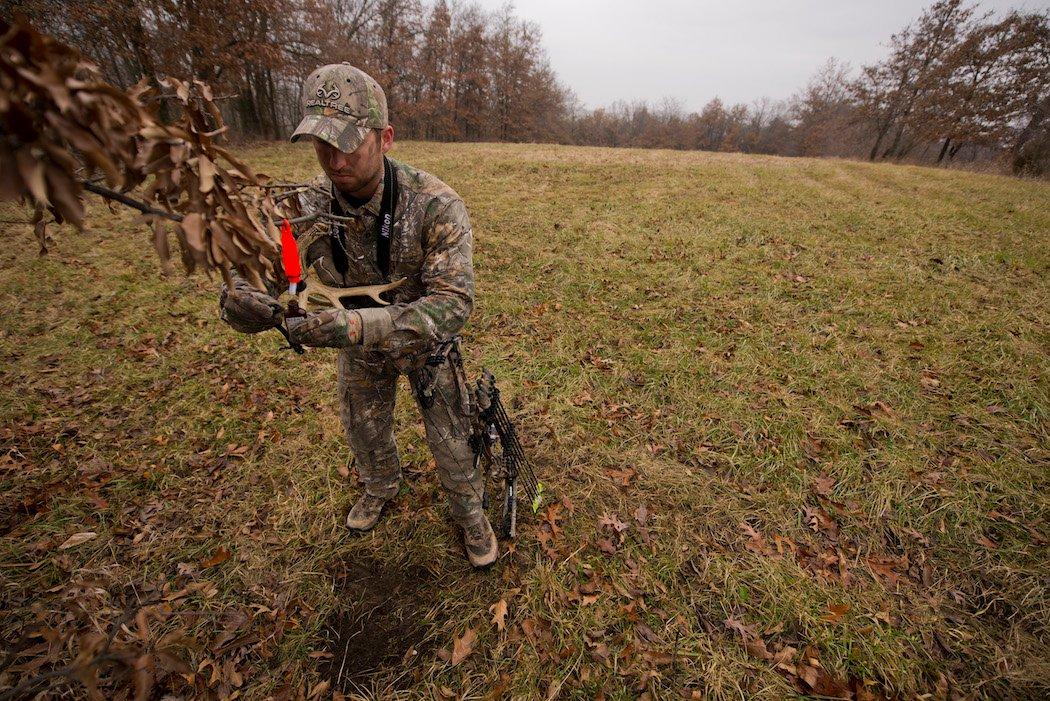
[[792, 417]]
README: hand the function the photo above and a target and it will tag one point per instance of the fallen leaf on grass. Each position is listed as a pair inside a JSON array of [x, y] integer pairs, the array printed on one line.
[[187, 590], [756, 542], [658, 659], [594, 642], [824, 485], [552, 516], [819, 520], [756, 646], [234, 622], [623, 478], [539, 635], [462, 647], [218, 557], [886, 568], [835, 612], [498, 690], [76, 539], [819, 681], [812, 447], [983, 540], [646, 634], [745, 631], [499, 614], [588, 599], [582, 398], [592, 358], [546, 541], [883, 407], [928, 381]]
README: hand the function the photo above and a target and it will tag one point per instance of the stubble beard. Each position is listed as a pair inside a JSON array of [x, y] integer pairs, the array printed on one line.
[[361, 188]]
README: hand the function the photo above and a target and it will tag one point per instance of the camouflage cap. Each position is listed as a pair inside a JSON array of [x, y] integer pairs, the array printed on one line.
[[340, 105]]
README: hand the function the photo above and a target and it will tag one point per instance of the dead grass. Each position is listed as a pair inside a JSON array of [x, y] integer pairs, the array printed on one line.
[[825, 381]]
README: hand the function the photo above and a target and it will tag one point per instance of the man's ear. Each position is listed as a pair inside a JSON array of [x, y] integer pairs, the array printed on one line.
[[386, 138]]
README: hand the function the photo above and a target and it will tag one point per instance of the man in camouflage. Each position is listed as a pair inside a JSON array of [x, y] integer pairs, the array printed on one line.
[[430, 245]]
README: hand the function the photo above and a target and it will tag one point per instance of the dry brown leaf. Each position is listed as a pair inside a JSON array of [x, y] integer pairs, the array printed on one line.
[[836, 612], [499, 614], [32, 172], [193, 226], [218, 557], [207, 173], [824, 485], [987, 542], [463, 646], [76, 539], [745, 631], [612, 522], [144, 677], [624, 477], [756, 542], [929, 382]]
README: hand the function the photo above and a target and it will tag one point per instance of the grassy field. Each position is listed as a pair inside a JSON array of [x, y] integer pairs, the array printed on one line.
[[792, 415]]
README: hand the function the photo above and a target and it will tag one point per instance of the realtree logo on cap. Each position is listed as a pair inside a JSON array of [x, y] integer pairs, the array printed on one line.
[[328, 91]]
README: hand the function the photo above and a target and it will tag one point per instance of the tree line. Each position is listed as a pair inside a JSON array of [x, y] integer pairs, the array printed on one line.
[[450, 71], [957, 85]]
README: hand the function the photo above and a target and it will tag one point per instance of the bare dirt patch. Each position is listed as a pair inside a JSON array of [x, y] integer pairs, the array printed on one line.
[[381, 618]]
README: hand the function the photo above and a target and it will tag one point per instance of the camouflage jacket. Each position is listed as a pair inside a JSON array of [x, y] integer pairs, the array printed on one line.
[[431, 244]]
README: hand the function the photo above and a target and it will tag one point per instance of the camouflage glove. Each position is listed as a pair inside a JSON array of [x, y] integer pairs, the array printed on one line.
[[332, 328], [248, 310]]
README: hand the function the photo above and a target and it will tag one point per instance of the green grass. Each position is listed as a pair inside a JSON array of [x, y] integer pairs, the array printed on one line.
[[718, 331]]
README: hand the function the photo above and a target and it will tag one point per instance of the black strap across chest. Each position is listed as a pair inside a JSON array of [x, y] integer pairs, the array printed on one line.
[[384, 225]]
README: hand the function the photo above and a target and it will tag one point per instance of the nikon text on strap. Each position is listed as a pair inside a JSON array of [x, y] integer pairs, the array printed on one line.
[[386, 217]]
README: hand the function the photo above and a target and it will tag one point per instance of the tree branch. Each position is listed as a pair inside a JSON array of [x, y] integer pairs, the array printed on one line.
[[153, 211], [129, 201]]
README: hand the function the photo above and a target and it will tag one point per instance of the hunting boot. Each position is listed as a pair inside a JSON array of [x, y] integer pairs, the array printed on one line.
[[365, 513], [480, 541]]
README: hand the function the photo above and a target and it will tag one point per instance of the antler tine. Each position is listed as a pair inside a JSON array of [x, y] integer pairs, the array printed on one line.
[[335, 295]]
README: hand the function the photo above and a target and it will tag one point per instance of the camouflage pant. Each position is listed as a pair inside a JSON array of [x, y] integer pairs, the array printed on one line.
[[367, 388]]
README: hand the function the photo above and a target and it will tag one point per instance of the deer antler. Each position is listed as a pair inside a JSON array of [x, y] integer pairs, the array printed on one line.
[[334, 295]]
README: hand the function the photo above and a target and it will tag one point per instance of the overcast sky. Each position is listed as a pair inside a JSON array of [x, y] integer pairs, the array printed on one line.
[[694, 50]]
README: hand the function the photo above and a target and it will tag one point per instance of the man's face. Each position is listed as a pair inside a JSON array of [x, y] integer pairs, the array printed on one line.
[[353, 173]]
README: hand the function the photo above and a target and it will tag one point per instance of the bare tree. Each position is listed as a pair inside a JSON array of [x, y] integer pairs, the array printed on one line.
[[888, 91]]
